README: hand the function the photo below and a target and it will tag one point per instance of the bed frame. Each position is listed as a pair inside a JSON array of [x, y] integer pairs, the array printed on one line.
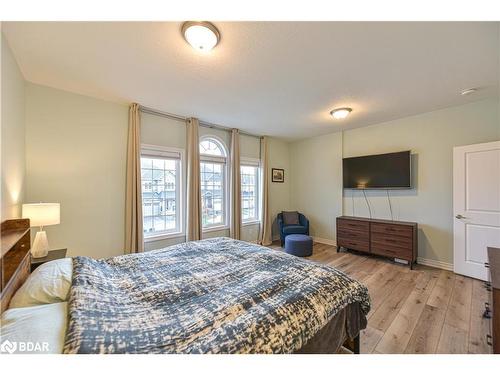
[[15, 258]]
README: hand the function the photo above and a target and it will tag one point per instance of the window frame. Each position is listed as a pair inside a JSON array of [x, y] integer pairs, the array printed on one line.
[[164, 152], [253, 162], [224, 160]]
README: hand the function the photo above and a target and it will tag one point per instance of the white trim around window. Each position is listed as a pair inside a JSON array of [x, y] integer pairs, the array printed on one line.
[[252, 162], [224, 162], [171, 153]]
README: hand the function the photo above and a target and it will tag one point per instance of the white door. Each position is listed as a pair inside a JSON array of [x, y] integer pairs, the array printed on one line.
[[476, 206]]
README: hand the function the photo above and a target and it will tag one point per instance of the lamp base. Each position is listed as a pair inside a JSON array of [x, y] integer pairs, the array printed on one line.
[[40, 246]]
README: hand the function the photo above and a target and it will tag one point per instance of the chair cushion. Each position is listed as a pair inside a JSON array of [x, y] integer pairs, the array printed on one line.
[[290, 217], [294, 229]]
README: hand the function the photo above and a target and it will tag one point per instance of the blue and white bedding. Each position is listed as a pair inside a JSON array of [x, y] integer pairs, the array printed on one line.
[[212, 296]]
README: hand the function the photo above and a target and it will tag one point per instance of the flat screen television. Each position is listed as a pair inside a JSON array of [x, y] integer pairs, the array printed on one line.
[[384, 171]]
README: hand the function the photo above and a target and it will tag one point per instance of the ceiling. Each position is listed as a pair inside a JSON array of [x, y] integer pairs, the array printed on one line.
[[273, 78]]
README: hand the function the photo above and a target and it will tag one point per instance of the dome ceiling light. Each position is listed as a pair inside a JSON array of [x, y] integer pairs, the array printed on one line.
[[202, 36], [465, 92], [341, 113]]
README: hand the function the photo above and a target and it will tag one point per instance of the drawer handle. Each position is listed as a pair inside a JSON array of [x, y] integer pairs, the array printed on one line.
[[488, 340], [486, 264], [487, 311], [487, 286]]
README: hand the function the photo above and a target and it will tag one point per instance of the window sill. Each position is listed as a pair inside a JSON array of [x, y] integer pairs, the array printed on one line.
[[161, 237], [215, 229], [248, 223]]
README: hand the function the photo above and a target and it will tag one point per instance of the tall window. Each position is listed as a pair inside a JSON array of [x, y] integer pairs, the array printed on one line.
[[161, 191], [249, 191], [213, 160]]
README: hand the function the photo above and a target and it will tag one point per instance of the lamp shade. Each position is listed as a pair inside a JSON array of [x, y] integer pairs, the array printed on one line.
[[41, 214]]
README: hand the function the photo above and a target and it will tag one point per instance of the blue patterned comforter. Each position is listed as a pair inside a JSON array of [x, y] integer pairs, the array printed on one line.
[[212, 296]]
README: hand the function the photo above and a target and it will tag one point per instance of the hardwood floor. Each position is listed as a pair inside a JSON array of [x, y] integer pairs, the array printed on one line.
[[425, 310]]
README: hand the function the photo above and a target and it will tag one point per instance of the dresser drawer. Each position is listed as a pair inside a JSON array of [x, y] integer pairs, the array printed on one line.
[[363, 226], [391, 251], [353, 234], [392, 240], [354, 244], [399, 230]]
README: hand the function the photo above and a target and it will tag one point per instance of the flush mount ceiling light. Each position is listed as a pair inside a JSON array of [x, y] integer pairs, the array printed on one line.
[[468, 91], [341, 113], [202, 36]]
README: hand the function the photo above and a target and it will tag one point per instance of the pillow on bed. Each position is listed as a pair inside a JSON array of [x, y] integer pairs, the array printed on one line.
[[49, 283], [35, 330]]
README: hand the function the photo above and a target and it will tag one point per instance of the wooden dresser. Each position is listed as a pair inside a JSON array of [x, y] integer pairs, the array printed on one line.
[[494, 266], [392, 239], [15, 258]]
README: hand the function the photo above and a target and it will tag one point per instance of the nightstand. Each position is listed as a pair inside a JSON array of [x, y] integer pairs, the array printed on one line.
[[52, 255]]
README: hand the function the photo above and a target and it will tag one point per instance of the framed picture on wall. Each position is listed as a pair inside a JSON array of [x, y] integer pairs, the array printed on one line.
[[278, 175]]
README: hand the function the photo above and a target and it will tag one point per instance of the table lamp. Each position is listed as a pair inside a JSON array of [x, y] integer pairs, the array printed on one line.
[[40, 215]]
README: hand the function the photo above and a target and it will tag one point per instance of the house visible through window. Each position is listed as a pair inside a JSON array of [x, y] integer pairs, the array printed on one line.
[[161, 191], [213, 159], [249, 192]]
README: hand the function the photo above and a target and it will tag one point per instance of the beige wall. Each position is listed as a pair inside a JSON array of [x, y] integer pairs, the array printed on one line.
[[76, 155], [316, 171], [12, 135]]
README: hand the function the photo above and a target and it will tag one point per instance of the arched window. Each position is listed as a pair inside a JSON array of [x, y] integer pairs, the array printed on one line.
[[213, 147], [213, 162]]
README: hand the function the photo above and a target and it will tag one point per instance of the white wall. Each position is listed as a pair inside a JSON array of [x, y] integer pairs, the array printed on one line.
[[316, 171], [12, 135], [76, 155], [431, 138], [279, 193]]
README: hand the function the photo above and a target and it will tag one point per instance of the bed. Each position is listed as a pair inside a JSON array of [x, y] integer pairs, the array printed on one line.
[[211, 296]]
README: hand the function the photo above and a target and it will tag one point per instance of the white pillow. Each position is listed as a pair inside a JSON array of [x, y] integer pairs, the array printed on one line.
[[49, 283], [36, 330]]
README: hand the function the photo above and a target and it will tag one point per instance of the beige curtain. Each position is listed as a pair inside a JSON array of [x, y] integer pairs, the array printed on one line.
[[193, 204], [265, 228], [235, 186], [134, 236]]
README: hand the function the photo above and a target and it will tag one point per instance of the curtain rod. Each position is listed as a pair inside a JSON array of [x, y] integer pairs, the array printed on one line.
[[205, 124]]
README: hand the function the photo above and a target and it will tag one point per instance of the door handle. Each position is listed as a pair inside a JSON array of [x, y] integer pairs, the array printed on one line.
[[460, 217]]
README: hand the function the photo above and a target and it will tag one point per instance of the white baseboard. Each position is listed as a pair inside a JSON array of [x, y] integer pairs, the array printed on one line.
[[422, 261], [435, 264], [325, 241]]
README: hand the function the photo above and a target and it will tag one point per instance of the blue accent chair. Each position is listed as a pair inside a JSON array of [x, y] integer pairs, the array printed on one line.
[[285, 230]]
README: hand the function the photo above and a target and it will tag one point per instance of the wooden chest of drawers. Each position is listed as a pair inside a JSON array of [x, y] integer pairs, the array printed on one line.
[[393, 239], [494, 266]]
